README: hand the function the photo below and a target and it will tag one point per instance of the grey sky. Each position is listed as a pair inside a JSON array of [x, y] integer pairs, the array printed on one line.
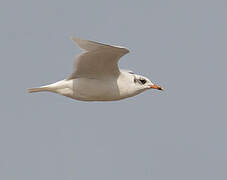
[[176, 134]]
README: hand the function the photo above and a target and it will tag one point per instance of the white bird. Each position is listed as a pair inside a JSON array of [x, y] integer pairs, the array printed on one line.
[[96, 75]]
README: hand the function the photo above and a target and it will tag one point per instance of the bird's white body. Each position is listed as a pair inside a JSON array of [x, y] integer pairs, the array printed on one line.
[[90, 89], [97, 77]]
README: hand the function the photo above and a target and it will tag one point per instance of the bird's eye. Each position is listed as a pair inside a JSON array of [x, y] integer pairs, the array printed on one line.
[[143, 81]]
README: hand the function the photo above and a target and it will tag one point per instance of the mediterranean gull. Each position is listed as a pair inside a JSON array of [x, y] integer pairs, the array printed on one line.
[[97, 77]]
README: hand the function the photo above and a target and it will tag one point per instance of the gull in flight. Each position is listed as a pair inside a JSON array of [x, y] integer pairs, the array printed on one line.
[[97, 77]]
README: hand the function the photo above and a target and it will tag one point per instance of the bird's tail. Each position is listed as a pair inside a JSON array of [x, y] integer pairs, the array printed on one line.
[[51, 87], [39, 89]]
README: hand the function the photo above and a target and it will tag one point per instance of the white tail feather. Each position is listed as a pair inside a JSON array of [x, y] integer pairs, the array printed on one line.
[[51, 87], [32, 90]]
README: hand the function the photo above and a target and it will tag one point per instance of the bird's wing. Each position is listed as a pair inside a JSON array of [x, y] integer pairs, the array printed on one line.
[[97, 60]]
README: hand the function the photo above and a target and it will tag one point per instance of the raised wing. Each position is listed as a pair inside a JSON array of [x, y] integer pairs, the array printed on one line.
[[98, 60]]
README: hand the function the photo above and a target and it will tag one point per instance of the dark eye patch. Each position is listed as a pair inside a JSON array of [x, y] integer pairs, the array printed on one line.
[[135, 80], [143, 81]]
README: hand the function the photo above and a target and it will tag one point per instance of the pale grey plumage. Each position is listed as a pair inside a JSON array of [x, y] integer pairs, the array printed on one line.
[[96, 75], [97, 60]]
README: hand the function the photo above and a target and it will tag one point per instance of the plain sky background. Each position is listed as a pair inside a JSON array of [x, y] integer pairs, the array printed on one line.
[[178, 134]]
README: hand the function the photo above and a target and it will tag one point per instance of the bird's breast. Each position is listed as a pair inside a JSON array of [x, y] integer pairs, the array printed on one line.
[[88, 89]]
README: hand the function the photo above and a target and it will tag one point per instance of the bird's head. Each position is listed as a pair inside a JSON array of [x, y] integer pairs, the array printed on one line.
[[143, 83]]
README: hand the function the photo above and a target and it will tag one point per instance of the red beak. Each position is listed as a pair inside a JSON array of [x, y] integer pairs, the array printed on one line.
[[155, 86]]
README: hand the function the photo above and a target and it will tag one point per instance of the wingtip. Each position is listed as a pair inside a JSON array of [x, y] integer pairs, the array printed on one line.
[[92, 45], [124, 49], [75, 39]]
